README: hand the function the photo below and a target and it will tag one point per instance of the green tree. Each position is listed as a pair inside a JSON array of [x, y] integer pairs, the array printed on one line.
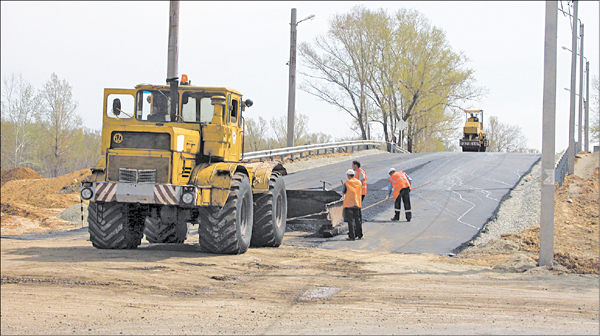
[[59, 122], [20, 105], [391, 69], [85, 151]]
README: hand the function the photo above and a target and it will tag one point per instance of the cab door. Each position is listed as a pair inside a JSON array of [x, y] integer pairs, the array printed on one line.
[[234, 130]]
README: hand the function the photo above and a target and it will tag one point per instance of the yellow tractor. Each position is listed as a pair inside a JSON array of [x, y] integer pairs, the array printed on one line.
[[474, 140], [161, 170]]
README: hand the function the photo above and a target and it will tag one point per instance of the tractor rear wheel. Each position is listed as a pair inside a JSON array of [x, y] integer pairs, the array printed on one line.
[[270, 214], [166, 225], [115, 225], [228, 230]]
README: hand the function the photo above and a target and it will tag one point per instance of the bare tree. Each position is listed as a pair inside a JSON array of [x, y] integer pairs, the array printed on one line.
[[339, 76], [279, 126], [594, 109], [255, 137], [504, 137], [20, 105], [59, 121]]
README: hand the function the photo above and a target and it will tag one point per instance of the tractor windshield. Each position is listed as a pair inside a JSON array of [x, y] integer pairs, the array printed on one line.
[[196, 107], [153, 105]]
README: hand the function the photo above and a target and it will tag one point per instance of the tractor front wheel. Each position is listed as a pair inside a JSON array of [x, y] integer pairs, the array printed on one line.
[[228, 230], [115, 225]]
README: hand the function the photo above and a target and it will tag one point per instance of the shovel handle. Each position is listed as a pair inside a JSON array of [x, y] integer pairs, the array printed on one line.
[[374, 204], [424, 184]]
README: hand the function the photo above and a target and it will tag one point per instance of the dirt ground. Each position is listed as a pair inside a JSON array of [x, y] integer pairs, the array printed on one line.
[[63, 285]]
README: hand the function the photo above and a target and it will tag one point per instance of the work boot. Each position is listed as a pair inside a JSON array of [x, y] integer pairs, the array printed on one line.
[[396, 217]]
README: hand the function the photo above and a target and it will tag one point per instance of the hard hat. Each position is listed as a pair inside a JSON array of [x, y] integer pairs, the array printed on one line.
[[350, 172], [391, 170]]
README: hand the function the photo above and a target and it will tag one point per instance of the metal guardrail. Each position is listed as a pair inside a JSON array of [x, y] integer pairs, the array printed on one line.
[[318, 149], [560, 168]]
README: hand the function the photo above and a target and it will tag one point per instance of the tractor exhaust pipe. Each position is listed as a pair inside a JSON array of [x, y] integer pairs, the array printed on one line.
[[173, 54]]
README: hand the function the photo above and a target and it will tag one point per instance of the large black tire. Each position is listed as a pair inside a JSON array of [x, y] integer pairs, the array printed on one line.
[[115, 225], [228, 230], [270, 214], [166, 225]]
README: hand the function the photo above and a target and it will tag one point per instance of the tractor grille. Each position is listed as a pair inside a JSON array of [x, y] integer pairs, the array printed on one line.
[[147, 176], [137, 176], [138, 169]]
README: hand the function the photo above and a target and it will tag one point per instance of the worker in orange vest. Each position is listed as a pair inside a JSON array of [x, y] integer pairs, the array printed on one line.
[[352, 191], [361, 175], [399, 182]]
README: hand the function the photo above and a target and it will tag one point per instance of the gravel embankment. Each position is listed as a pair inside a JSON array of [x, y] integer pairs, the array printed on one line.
[[520, 210]]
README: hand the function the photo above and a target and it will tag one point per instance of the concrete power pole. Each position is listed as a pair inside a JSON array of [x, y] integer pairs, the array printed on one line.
[[548, 137], [572, 149], [587, 106], [579, 124], [292, 84], [173, 55]]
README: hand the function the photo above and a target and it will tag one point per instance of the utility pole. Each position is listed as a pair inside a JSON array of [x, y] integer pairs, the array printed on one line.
[[572, 149], [579, 125], [548, 137], [587, 106], [292, 84], [173, 55]]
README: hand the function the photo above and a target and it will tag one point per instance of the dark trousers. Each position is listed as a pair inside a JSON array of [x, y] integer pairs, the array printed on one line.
[[403, 196], [353, 217], [362, 200]]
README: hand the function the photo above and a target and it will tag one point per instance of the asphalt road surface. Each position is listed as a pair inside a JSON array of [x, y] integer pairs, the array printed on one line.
[[466, 190]]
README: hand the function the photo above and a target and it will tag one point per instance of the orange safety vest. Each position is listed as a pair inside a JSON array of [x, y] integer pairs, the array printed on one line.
[[399, 181], [353, 196], [364, 181]]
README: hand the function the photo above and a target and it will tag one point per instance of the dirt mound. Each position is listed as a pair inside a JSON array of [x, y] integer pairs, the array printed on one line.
[[19, 173], [44, 193], [31, 205]]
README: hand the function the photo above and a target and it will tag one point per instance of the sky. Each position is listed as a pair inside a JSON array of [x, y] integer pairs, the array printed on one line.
[[245, 46]]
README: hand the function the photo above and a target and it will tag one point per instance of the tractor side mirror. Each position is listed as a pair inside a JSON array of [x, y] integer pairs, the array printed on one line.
[[116, 110], [248, 103]]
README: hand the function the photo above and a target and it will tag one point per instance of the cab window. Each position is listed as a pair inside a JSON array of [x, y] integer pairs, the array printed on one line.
[[120, 106], [189, 107], [198, 107], [153, 105], [234, 109]]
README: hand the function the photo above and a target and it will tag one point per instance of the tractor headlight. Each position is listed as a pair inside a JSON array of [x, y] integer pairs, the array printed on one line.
[[86, 193], [187, 198]]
